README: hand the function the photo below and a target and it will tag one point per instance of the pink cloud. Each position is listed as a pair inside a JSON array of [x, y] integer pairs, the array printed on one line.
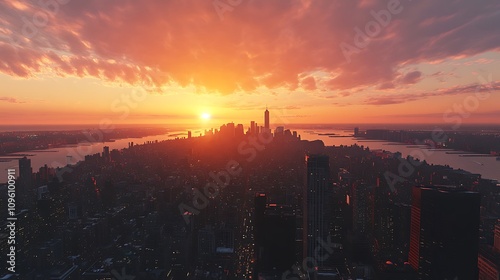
[[398, 98], [386, 85], [480, 61], [411, 78], [344, 93], [10, 100], [258, 43], [309, 83]]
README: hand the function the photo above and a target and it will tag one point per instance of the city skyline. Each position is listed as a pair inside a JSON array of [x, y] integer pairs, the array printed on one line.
[[423, 62], [279, 207], [250, 140]]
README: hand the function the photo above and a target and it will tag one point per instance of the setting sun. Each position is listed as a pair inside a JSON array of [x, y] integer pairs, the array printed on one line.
[[225, 139], [205, 116]]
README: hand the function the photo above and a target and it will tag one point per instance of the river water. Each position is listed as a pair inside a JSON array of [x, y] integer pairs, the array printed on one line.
[[488, 167], [59, 157]]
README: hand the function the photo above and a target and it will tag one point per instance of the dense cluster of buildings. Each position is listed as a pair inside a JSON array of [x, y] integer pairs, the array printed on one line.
[[294, 210]]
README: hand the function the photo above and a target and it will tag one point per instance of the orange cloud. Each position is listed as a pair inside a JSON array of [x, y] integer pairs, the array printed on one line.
[[260, 43]]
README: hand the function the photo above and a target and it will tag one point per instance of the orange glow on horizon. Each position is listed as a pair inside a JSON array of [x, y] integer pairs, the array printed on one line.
[[216, 70]]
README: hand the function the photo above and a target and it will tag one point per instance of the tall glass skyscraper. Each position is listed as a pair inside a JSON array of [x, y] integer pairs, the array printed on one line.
[[266, 119], [317, 208]]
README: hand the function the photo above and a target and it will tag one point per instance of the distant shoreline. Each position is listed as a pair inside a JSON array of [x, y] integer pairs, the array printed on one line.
[[77, 136]]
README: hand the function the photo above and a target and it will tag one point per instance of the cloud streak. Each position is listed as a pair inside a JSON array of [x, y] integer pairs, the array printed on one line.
[[10, 100], [261, 43], [397, 98]]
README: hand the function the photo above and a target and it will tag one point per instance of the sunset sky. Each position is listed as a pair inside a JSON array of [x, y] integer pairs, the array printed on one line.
[[170, 61]]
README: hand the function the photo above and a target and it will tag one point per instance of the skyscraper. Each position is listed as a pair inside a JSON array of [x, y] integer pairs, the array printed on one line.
[[489, 258], [496, 242], [266, 119], [444, 233], [362, 208], [105, 153], [280, 130], [230, 129], [317, 205], [239, 130], [260, 207], [25, 170], [24, 190], [274, 237]]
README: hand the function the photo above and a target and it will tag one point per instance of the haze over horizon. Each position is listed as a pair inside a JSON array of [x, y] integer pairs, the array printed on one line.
[[250, 139], [214, 124]]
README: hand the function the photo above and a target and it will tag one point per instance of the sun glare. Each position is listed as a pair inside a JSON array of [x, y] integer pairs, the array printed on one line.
[[205, 116]]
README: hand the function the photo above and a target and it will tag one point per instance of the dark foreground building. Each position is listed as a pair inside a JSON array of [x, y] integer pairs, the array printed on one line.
[[318, 194], [274, 237], [444, 233]]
